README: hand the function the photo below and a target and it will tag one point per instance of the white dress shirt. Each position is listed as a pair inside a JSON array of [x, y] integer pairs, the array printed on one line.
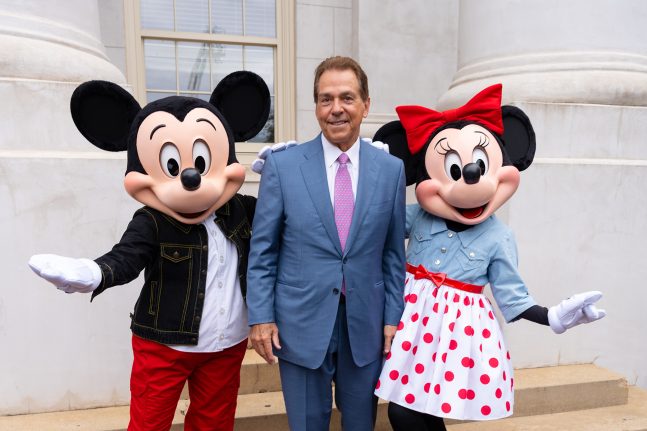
[[331, 152], [224, 314]]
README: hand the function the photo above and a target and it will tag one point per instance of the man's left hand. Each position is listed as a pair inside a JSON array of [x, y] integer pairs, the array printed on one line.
[[389, 333]]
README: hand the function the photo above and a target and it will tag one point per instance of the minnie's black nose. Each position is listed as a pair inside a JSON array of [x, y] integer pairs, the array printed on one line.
[[471, 173], [191, 178]]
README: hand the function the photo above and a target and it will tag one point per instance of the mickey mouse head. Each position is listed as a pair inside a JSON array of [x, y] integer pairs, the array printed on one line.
[[181, 150]]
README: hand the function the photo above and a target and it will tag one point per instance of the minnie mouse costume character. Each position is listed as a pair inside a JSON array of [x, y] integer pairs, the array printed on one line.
[[448, 358], [191, 238]]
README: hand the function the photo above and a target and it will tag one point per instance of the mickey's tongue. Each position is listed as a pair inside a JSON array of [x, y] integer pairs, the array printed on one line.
[[471, 212]]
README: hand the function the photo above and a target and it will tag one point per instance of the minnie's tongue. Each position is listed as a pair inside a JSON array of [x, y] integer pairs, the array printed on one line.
[[471, 212]]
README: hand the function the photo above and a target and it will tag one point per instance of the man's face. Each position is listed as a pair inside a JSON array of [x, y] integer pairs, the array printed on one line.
[[340, 108]]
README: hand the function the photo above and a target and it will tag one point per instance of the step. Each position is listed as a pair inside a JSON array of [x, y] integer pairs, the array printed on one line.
[[539, 391], [626, 417]]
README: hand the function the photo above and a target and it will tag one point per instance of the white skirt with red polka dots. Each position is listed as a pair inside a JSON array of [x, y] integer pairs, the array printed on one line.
[[448, 358]]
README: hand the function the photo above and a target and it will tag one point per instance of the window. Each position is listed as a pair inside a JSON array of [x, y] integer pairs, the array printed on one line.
[[185, 47]]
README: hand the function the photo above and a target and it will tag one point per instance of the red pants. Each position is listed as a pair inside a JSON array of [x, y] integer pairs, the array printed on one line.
[[158, 377]]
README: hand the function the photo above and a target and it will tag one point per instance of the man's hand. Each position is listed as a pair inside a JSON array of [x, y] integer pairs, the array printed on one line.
[[263, 336], [389, 333], [574, 311], [67, 274]]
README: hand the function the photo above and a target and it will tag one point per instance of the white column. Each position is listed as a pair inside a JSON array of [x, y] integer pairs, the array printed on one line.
[[576, 51], [58, 194]]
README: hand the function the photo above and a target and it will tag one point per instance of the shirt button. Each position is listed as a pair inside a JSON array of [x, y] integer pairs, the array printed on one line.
[[220, 284], [222, 259], [443, 250], [472, 254], [450, 234], [222, 311], [222, 336], [437, 261]]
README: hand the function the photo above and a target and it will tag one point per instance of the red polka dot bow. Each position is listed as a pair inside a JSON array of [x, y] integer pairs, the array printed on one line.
[[420, 122]]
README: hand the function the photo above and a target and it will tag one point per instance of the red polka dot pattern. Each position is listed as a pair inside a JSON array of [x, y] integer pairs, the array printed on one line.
[[470, 378]]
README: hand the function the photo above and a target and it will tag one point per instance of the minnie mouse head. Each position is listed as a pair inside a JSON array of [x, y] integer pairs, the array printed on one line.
[[181, 153], [465, 162]]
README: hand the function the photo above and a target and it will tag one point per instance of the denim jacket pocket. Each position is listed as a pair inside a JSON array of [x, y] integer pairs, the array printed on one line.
[[153, 302], [175, 253]]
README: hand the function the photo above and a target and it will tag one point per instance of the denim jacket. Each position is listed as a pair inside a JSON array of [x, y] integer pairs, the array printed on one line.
[[174, 257]]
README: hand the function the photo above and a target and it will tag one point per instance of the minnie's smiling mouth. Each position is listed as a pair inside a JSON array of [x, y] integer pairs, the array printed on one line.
[[471, 213]]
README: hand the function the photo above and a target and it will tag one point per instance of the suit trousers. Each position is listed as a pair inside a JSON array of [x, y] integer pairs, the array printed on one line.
[[308, 393], [158, 377]]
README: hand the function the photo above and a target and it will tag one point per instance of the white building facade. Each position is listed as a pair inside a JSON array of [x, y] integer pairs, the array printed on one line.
[[578, 69]]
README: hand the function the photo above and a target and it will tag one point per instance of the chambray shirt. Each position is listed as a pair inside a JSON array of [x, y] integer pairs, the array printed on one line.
[[482, 254]]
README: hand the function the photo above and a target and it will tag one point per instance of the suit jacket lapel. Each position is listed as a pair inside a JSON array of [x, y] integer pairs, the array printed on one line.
[[366, 182], [313, 170]]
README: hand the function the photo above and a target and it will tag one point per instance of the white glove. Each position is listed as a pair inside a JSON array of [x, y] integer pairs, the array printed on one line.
[[67, 274], [257, 165], [574, 311], [378, 144]]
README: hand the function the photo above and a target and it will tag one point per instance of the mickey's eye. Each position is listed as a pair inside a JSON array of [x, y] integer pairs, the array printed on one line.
[[479, 156], [201, 156], [453, 165], [170, 160]]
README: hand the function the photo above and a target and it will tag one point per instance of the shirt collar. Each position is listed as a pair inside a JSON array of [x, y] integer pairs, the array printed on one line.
[[331, 152], [468, 235]]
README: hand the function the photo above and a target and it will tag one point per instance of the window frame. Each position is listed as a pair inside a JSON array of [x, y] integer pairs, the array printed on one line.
[[284, 64]]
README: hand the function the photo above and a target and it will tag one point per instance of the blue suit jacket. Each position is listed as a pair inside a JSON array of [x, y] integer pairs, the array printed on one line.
[[296, 263]]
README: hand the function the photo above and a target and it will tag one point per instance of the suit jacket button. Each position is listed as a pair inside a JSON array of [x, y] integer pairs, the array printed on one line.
[[197, 318], [335, 291], [204, 247], [344, 260]]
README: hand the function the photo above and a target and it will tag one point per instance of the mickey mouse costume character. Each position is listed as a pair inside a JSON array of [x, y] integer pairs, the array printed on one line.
[[448, 358], [191, 237]]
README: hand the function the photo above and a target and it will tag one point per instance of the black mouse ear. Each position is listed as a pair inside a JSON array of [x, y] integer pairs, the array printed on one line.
[[244, 100], [518, 137], [394, 134], [103, 112]]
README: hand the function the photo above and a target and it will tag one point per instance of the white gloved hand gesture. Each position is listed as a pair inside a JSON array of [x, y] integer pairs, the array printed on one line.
[[257, 165], [574, 311], [67, 274]]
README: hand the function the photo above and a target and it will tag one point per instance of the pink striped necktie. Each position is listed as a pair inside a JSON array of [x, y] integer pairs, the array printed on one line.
[[344, 203]]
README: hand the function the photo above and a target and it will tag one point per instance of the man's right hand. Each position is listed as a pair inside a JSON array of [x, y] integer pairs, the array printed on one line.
[[263, 336]]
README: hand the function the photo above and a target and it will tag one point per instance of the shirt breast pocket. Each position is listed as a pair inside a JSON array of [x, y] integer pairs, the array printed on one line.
[[472, 259]]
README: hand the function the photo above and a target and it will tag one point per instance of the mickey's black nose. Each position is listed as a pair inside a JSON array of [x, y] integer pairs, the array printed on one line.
[[471, 173], [191, 178]]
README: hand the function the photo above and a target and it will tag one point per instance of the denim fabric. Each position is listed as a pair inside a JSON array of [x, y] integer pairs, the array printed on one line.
[[482, 254], [174, 257]]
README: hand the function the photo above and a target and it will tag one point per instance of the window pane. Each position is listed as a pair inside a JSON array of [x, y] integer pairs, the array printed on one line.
[[260, 60], [267, 133], [151, 96], [203, 96], [192, 15], [159, 57], [225, 59], [260, 18], [227, 16], [193, 66], [157, 14]]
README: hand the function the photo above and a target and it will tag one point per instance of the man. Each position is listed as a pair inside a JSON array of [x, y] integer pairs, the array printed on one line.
[[326, 266]]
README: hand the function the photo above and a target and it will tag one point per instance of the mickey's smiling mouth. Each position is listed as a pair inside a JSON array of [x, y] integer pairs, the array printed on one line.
[[471, 213], [191, 215]]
